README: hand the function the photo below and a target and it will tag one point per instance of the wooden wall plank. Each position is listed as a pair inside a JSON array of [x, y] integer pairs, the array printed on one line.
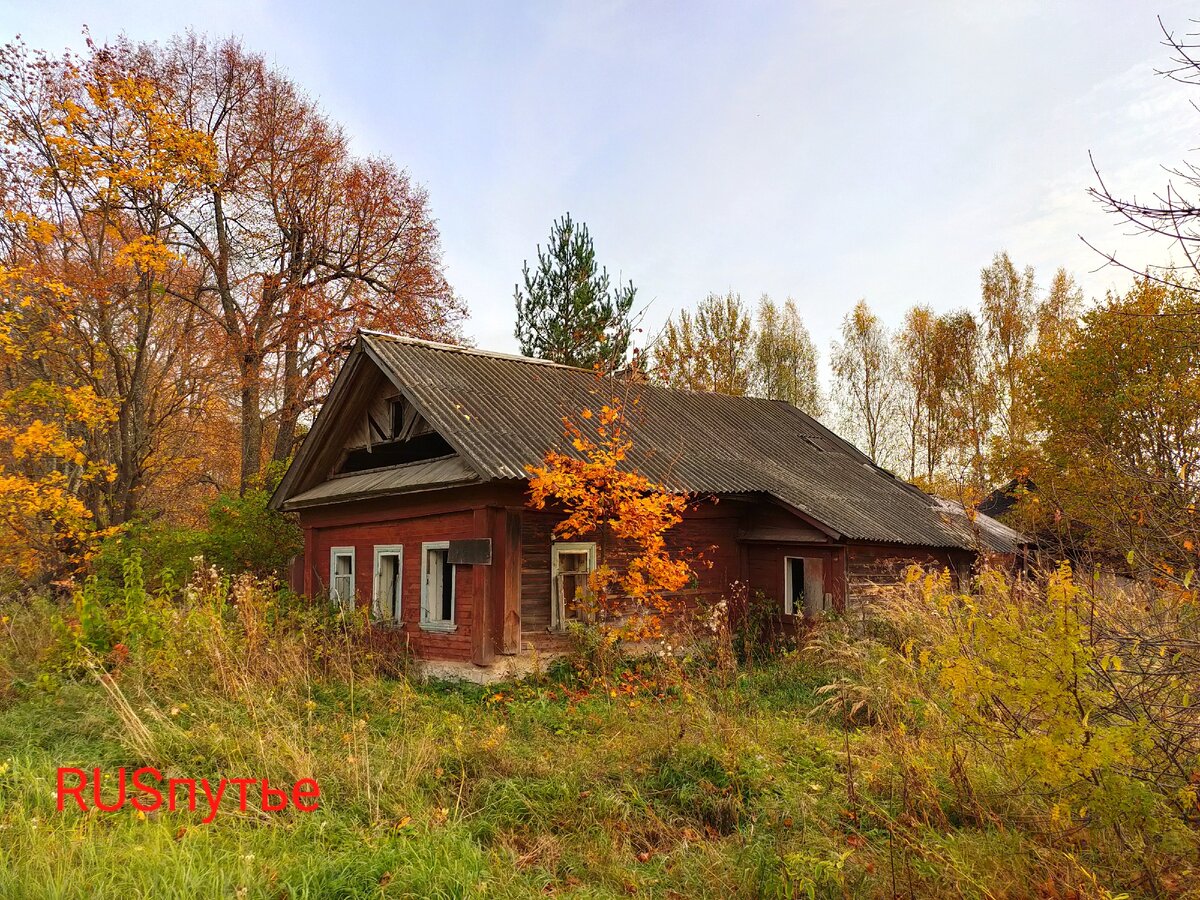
[[509, 619], [483, 649]]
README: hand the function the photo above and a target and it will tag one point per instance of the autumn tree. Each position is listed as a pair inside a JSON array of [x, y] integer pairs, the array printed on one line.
[[1057, 314], [605, 499], [89, 150], [1008, 312], [710, 349], [970, 398], [785, 358], [926, 352], [865, 379], [567, 309], [297, 242], [1120, 412], [46, 427]]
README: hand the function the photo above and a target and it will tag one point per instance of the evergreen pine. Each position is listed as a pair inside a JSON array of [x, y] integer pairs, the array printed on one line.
[[567, 310]]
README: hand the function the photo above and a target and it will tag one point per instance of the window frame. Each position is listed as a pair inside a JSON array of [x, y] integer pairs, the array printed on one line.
[[788, 604], [428, 623], [396, 617], [334, 552], [557, 603]]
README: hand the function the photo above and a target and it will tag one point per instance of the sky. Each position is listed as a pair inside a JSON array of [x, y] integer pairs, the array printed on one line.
[[826, 151]]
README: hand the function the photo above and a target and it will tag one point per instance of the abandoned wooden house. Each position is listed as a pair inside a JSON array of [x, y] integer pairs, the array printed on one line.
[[411, 490]]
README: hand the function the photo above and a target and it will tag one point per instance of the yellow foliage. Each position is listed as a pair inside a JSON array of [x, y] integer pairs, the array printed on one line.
[[603, 499], [1030, 680]]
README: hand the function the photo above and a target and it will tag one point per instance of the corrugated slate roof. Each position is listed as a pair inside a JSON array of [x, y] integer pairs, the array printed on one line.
[[504, 412]]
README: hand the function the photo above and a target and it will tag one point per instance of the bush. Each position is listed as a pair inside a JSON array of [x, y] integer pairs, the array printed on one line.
[[757, 632], [243, 535], [227, 631], [1067, 705]]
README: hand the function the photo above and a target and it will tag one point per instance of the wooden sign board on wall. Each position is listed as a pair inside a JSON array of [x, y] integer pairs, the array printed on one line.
[[470, 553]]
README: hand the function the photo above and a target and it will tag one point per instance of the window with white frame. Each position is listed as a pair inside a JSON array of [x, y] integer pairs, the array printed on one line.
[[389, 568], [804, 586], [437, 587], [570, 566], [341, 576]]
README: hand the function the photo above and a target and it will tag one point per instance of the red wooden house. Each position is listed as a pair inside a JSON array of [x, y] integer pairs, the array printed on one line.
[[411, 490]]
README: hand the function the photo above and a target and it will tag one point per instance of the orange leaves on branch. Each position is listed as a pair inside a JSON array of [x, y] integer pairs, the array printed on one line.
[[626, 513], [125, 136], [44, 526]]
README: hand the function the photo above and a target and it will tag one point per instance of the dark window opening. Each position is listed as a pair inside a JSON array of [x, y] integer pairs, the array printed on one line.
[[795, 586], [447, 590], [396, 453]]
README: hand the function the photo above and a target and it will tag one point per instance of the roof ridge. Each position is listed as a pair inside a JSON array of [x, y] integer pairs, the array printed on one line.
[[517, 357], [472, 351]]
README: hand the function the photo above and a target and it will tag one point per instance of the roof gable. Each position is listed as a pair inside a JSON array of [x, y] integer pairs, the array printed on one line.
[[343, 420]]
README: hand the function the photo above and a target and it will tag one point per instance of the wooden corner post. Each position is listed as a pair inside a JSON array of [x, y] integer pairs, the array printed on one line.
[[483, 648]]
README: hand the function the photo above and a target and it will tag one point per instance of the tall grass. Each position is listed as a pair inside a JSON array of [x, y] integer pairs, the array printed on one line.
[[849, 768]]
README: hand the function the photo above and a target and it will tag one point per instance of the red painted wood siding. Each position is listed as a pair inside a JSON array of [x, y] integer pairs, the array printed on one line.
[[410, 533], [707, 535], [766, 570]]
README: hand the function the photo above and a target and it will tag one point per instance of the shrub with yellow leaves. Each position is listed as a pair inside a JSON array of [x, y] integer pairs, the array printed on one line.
[[1076, 709], [605, 499]]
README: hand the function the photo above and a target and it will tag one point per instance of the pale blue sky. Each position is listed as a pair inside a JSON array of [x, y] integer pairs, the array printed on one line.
[[827, 151]]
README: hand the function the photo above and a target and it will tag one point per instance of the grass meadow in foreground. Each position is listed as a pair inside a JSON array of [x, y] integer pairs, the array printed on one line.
[[845, 769], [515, 791]]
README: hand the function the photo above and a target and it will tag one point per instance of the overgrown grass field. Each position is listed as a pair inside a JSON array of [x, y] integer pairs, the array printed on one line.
[[442, 791], [779, 777]]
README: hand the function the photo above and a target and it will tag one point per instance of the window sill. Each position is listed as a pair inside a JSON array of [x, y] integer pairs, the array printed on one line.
[[438, 628], [389, 624], [566, 629]]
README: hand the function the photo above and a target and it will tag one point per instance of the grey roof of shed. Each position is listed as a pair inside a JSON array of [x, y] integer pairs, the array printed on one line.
[[502, 413]]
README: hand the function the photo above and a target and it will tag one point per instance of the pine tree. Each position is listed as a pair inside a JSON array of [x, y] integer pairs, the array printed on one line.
[[567, 310]]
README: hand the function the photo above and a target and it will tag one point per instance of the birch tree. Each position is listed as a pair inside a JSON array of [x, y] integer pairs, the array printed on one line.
[[865, 375]]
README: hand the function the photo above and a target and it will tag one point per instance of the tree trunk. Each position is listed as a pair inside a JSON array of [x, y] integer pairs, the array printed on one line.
[[293, 402], [251, 421]]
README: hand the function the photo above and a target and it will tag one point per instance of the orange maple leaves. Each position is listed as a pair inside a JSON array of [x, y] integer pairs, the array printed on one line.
[[629, 515]]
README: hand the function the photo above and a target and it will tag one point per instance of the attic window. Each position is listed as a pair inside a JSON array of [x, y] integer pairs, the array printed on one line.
[[396, 453], [813, 443], [398, 407]]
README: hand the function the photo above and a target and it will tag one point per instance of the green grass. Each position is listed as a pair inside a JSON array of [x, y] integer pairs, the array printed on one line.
[[696, 790]]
